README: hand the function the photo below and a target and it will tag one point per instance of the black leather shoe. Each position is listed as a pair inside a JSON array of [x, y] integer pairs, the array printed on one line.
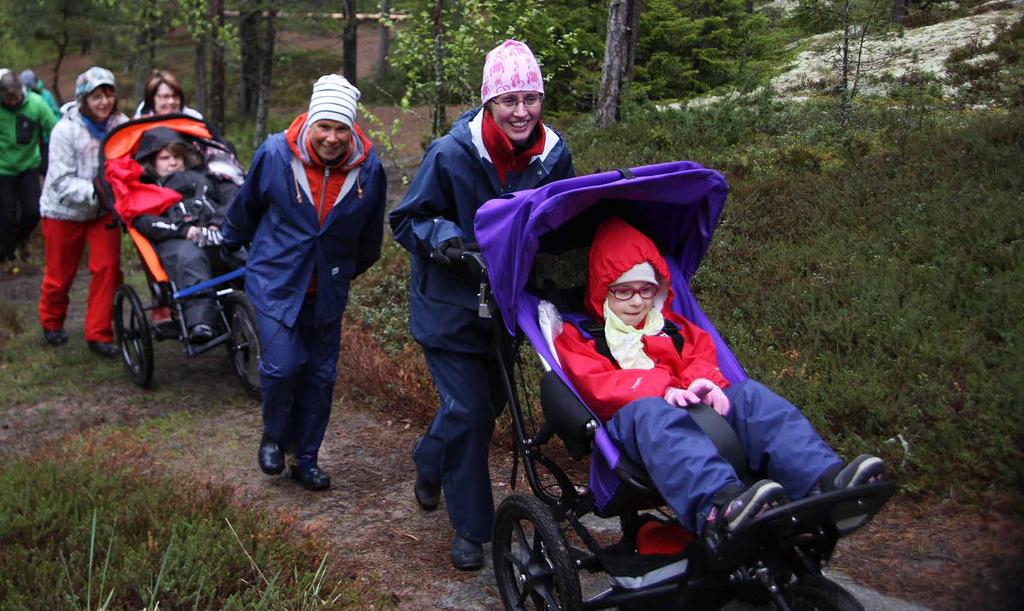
[[57, 337], [311, 478], [104, 349], [428, 494], [467, 555], [270, 456], [200, 333]]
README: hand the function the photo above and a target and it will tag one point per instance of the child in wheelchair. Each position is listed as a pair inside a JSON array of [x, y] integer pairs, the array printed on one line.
[[638, 366], [187, 234]]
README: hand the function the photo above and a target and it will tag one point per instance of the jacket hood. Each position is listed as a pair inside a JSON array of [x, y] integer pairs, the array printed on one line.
[[361, 146], [617, 247], [154, 140]]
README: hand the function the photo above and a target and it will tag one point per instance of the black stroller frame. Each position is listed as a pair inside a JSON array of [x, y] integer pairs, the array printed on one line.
[[777, 559]]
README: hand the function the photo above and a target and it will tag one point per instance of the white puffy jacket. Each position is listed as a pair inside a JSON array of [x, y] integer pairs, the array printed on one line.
[[68, 193]]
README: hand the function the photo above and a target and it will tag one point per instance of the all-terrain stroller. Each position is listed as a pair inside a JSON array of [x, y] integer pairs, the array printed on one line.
[[532, 257], [136, 326]]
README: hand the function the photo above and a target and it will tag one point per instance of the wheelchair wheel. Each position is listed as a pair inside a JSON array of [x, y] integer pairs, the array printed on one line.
[[131, 328], [244, 346], [817, 593], [532, 564]]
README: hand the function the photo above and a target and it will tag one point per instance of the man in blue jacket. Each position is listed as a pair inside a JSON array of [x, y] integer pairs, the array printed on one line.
[[501, 147], [312, 209]]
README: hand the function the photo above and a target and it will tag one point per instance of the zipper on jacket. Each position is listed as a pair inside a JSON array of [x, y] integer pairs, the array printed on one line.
[[323, 196]]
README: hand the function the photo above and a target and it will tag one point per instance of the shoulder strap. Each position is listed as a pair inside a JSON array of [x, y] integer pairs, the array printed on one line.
[[592, 329]]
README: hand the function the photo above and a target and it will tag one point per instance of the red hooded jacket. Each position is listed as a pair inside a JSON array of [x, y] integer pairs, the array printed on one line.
[[603, 385]]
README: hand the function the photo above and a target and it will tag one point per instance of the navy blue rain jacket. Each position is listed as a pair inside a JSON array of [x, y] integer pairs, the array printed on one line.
[[455, 178], [279, 219]]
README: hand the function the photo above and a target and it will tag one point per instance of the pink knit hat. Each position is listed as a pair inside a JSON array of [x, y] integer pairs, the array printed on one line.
[[510, 66]]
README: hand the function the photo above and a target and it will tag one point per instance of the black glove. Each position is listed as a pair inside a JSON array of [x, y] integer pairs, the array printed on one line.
[[440, 255]]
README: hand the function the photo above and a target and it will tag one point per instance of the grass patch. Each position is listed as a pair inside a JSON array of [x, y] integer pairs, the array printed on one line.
[[84, 525]]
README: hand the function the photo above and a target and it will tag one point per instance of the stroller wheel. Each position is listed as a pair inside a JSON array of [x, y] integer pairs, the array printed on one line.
[[817, 593], [244, 346], [131, 329], [532, 564]]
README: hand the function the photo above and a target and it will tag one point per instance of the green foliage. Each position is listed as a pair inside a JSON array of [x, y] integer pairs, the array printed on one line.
[[79, 529], [561, 34], [688, 48]]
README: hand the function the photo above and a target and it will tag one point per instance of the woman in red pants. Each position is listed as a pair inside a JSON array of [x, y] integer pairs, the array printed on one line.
[[72, 217]]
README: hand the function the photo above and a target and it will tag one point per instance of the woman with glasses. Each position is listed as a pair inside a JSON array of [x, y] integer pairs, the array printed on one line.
[[164, 96], [72, 216], [499, 147], [646, 364]]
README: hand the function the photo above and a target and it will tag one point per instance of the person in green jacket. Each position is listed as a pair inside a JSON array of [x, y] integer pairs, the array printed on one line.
[[25, 120]]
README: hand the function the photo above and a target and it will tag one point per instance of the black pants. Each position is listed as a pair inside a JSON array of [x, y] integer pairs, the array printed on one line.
[[19, 210], [186, 264]]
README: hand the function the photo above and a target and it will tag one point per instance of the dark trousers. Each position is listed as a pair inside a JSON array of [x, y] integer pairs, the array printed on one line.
[[686, 467], [455, 448], [186, 264], [19, 210], [297, 375]]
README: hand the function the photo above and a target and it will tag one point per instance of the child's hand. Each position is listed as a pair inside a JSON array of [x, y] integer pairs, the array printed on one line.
[[710, 394], [680, 397], [193, 233]]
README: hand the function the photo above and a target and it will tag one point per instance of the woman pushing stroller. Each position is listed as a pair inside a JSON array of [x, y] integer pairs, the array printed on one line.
[[641, 389]]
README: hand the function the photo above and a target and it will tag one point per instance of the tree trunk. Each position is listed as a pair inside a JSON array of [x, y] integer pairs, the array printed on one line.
[[750, 6], [266, 70], [348, 42], [217, 66], [384, 47], [199, 100], [62, 50], [844, 74], [615, 53], [440, 118], [143, 63], [633, 21], [899, 10], [249, 38]]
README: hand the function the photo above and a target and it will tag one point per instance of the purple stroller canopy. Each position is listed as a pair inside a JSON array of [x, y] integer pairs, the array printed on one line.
[[680, 202]]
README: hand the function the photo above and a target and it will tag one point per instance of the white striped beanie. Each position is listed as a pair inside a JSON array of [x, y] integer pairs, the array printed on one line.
[[333, 99]]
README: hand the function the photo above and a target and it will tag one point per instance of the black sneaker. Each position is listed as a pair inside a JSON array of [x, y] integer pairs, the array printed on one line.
[[105, 349], [865, 469], [56, 337], [739, 509]]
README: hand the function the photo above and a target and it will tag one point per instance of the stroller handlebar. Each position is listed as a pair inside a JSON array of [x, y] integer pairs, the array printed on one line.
[[472, 259]]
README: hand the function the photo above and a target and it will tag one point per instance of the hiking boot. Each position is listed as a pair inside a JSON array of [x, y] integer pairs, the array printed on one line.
[[105, 349], [865, 469], [55, 337], [270, 456], [311, 478], [739, 509], [467, 555], [428, 494]]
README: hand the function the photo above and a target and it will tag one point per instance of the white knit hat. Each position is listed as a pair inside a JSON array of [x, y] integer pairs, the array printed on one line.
[[643, 271], [333, 99]]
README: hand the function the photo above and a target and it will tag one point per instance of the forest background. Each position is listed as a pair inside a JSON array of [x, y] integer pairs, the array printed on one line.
[[870, 259]]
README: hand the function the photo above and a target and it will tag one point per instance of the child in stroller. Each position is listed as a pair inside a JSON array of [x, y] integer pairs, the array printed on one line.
[[642, 363], [187, 233], [537, 248]]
